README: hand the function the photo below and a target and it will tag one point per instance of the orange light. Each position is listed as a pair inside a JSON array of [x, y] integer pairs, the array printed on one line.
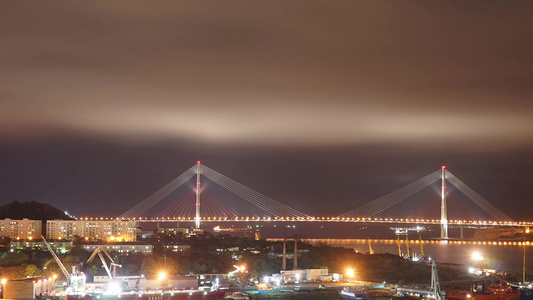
[[350, 273], [161, 276]]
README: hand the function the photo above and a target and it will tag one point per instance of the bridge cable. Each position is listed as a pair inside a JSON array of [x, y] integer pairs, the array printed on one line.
[[153, 199], [254, 197], [379, 205], [490, 209], [265, 203], [226, 205]]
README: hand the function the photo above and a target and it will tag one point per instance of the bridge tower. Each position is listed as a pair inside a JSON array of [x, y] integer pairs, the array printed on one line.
[[197, 219], [443, 210]]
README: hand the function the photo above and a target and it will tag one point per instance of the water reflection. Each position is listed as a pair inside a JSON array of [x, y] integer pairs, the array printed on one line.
[[498, 255]]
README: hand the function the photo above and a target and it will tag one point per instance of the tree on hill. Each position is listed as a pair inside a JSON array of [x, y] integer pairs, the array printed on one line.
[[32, 210]]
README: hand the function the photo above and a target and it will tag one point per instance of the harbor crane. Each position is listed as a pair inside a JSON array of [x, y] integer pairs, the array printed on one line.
[[75, 281], [98, 251]]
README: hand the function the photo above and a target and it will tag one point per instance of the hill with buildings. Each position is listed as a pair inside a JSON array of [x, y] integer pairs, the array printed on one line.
[[32, 210]]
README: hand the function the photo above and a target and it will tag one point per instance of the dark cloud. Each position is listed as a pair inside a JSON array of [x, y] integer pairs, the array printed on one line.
[[380, 84]]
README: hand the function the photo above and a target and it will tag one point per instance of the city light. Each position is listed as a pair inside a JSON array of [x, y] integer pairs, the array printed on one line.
[[161, 276], [114, 288], [350, 273], [476, 256]]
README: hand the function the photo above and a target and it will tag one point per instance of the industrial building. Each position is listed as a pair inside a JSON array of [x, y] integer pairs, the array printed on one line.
[[298, 276], [57, 246], [29, 289], [176, 246], [141, 283], [123, 248]]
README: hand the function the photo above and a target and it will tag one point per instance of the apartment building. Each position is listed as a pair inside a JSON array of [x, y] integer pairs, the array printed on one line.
[[92, 230], [24, 229]]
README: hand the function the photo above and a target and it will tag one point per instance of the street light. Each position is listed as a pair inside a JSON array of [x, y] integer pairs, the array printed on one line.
[[242, 271], [350, 273], [161, 276], [3, 281], [476, 256], [477, 259]]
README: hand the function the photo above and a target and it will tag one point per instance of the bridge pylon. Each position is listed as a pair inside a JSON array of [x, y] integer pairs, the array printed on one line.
[[198, 171], [443, 209]]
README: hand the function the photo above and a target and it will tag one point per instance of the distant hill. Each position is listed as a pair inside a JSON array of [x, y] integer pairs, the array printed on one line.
[[32, 210]]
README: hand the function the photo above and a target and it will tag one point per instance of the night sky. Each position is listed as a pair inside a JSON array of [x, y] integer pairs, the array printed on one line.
[[320, 105]]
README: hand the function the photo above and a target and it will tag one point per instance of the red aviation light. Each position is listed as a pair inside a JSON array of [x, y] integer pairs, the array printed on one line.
[[198, 162], [443, 167]]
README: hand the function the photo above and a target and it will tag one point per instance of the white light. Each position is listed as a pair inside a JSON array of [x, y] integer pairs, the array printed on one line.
[[477, 256], [113, 288]]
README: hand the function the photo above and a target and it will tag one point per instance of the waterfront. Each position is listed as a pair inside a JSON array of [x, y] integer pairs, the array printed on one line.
[[502, 256]]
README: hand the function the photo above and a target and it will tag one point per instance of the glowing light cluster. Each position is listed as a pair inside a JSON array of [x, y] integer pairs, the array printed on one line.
[[318, 219]]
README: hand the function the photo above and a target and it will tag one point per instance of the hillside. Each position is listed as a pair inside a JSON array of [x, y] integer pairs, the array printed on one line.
[[32, 210]]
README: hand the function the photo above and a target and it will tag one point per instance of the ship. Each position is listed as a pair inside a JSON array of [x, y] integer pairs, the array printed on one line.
[[433, 292], [156, 295], [482, 291], [526, 292], [236, 296], [232, 229], [355, 293]]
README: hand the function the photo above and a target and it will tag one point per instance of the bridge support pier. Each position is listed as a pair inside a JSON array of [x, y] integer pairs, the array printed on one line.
[[462, 227], [284, 259], [295, 266]]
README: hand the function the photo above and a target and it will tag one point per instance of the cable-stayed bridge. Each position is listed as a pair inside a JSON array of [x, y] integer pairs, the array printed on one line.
[[202, 191], [202, 194]]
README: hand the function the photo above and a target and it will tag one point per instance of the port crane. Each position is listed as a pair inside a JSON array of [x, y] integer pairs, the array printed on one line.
[[75, 281], [98, 251]]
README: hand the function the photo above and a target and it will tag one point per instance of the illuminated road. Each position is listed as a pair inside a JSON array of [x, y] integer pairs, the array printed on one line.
[[323, 219]]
